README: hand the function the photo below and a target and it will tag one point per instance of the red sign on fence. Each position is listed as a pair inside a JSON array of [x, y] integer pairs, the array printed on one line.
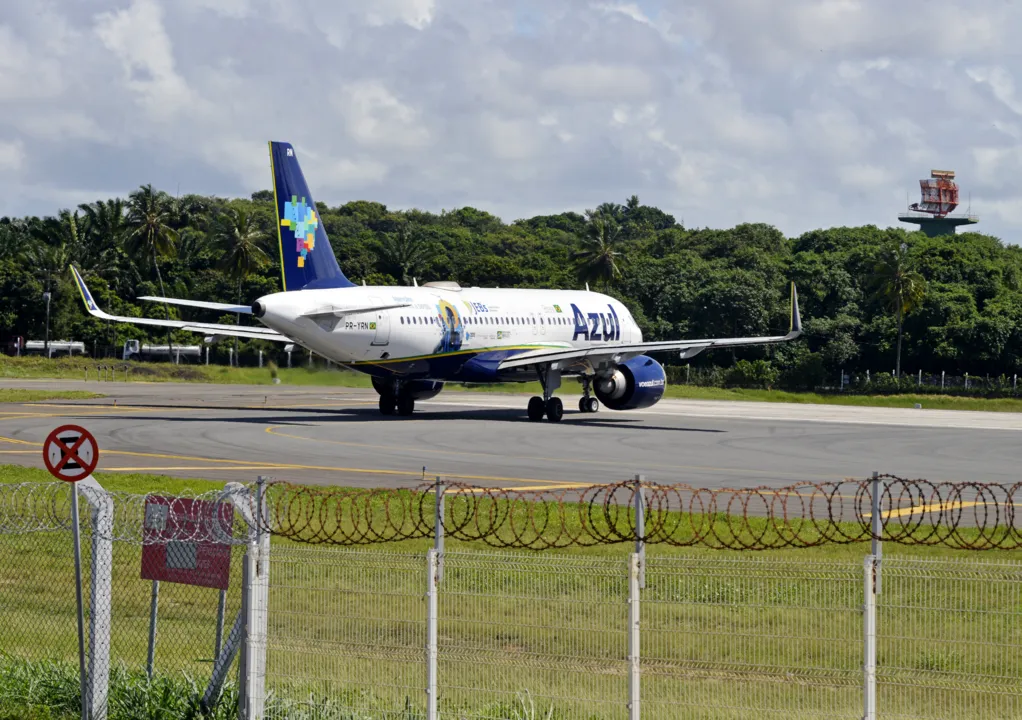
[[180, 541]]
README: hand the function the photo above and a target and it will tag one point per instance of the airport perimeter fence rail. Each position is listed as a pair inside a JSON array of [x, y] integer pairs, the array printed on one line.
[[491, 634]]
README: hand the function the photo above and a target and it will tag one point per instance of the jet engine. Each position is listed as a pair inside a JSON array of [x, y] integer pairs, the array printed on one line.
[[417, 389], [634, 384]]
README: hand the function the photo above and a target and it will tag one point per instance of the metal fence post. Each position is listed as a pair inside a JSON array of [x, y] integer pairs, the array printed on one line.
[[431, 634], [241, 499], [877, 525], [221, 607], [257, 590], [640, 527], [100, 596], [438, 529], [869, 624], [154, 604], [76, 536], [634, 700]]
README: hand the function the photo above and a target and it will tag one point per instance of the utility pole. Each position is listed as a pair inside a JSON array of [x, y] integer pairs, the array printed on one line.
[[46, 297]]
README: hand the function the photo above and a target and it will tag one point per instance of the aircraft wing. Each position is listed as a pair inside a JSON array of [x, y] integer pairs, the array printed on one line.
[[624, 351], [223, 307], [254, 333]]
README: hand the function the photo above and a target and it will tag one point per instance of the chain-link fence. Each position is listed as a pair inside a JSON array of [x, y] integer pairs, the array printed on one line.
[[160, 590], [949, 639], [499, 635], [346, 633], [752, 637]]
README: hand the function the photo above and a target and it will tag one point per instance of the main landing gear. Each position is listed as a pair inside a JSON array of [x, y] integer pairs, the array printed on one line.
[[396, 401], [548, 405]]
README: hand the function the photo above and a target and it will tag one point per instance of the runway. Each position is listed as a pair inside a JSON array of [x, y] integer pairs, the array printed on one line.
[[336, 436]]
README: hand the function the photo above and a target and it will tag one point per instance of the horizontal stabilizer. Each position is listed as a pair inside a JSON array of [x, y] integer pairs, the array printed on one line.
[[255, 333], [224, 307]]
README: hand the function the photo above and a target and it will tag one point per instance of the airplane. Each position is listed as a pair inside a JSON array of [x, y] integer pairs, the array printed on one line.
[[412, 340]]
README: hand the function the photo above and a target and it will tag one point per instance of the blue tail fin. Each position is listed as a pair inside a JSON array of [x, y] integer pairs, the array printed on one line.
[[307, 261]]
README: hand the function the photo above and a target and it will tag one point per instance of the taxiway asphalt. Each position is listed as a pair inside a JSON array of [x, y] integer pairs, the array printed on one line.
[[336, 436]]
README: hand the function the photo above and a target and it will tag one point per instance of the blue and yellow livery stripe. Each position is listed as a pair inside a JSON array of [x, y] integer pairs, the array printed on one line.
[[280, 239], [473, 351], [83, 290]]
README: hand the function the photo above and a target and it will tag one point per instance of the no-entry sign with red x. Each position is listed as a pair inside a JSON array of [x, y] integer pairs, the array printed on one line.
[[70, 453]]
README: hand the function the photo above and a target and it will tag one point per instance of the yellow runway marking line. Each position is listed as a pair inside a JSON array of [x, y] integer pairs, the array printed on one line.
[[19, 452], [923, 509], [273, 430], [565, 486], [101, 409], [223, 463], [188, 467]]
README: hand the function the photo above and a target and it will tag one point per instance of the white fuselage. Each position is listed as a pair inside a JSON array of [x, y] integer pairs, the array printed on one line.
[[440, 323]]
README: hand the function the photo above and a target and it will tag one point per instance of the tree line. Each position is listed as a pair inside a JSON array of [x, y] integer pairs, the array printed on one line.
[[871, 298]]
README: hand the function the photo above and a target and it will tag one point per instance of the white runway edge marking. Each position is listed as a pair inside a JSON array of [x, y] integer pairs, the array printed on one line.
[[790, 412]]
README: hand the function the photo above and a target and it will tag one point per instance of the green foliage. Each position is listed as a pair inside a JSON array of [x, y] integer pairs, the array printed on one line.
[[950, 303], [755, 374], [50, 690]]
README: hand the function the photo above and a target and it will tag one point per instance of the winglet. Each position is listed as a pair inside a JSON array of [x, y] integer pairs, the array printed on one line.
[[796, 319], [83, 290]]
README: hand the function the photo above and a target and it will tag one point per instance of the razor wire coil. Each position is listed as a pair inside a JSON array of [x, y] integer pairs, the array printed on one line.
[[965, 515]]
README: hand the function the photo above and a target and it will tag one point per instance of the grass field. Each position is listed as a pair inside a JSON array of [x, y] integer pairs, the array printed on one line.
[[22, 395], [82, 369], [724, 634]]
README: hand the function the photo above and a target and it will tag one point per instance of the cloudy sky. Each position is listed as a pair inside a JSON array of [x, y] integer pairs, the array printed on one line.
[[799, 113]]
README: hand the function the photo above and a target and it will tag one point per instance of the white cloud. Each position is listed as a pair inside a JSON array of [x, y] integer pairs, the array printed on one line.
[[806, 113], [376, 118], [416, 13], [596, 81], [136, 36], [863, 176], [228, 8], [12, 155]]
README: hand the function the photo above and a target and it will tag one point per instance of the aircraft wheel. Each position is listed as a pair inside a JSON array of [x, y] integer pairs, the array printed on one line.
[[387, 403], [592, 405], [582, 405], [554, 409], [536, 409], [405, 405]]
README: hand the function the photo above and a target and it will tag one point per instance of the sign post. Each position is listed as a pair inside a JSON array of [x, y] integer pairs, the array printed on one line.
[[71, 454]]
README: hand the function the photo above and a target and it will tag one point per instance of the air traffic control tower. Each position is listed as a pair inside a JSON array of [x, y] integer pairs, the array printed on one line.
[[933, 214]]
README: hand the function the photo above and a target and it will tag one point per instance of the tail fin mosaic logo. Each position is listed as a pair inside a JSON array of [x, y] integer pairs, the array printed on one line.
[[302, 220]]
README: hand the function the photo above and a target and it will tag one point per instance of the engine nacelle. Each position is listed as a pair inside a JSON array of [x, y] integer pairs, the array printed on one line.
[[418, 389], [634, 384]]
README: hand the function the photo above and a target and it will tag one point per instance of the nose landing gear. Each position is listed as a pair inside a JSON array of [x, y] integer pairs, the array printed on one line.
[[587, 403]]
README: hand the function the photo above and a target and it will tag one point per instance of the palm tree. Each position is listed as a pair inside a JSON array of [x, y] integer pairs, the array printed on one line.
[[403, 253], [150, 235], [243, 240], [600, 257], [105, 226], [898, 285], [56, 241], [611, 211]]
